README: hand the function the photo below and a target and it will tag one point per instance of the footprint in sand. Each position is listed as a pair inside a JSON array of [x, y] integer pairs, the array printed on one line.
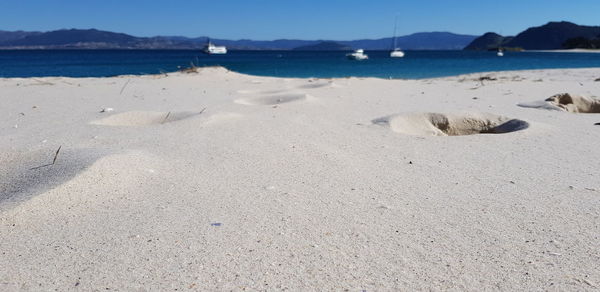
[[144, 118], [438, 124], [566, 102], [274, 99]]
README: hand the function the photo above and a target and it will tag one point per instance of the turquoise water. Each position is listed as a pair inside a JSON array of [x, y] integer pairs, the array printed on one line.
[[416, 64]]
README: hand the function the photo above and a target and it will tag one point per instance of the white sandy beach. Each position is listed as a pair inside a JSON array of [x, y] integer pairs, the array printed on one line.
[[568, 51], [218, 181]]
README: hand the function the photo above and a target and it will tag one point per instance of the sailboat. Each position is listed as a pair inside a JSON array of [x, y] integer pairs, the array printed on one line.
[[396, 52]]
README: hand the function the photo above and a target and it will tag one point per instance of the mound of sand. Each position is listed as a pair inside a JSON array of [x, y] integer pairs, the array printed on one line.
[[273, 99], [438, 124], [566, 102], [575, 103], [26, 174], [144, 118]]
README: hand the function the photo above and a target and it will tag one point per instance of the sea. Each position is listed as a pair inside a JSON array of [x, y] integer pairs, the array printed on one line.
[[301, 64]]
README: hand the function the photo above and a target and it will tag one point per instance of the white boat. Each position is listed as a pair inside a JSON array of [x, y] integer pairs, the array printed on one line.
[[211, 49], [396, 52], [358, 55], [500, 53]]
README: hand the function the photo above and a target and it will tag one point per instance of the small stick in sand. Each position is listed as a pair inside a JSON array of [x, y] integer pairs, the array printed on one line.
[[56, 154], [53, 160], [166, 117], [202, 110], [123, 88]]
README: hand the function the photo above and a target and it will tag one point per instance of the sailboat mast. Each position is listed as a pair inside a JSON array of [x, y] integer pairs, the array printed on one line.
[[395, 28]]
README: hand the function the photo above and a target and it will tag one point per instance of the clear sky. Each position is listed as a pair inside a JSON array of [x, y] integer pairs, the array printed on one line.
[[303, 19]]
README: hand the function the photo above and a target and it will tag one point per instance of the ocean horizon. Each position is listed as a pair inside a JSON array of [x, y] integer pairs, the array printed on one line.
[[289, 64]]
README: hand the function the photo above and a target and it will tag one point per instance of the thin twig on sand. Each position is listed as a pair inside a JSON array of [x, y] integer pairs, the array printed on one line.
[[166, 117], [53, 160], [56, 154], [123, 88]]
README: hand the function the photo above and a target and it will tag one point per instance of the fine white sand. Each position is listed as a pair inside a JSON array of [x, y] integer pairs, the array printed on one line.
[[220, 181], [568, 51]]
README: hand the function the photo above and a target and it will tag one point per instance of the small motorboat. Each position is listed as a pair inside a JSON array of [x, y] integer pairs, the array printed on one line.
[[357, 55], [211, 49], [500, 53]]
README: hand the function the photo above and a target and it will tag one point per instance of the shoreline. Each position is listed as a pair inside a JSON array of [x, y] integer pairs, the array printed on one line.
[[182, 71], [567, 51], [422, 65]]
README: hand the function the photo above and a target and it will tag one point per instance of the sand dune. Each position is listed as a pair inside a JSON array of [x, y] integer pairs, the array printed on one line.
[[438, 124]]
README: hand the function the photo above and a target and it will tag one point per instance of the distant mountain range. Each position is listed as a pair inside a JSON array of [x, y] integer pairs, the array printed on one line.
[[551, 36], [489, 41], [84, 39], [96, 39], [416, 41], [6, 36], [324, 46]]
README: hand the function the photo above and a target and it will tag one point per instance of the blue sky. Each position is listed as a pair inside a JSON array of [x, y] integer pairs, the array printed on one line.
[[303, 19]]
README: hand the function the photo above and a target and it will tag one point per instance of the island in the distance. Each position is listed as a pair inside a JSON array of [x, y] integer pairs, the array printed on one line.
[[551, 36]]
